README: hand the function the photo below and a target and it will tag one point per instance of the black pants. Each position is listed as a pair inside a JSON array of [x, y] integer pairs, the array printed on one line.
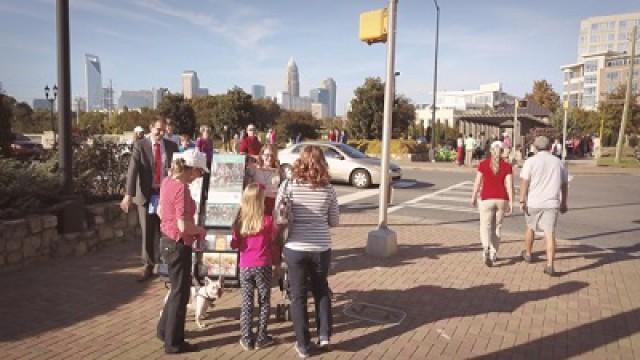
[[150, 226], [303, 265], [251, 279], [171, 324]]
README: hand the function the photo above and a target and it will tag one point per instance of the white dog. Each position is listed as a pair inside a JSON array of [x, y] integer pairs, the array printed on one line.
[[203, 296]]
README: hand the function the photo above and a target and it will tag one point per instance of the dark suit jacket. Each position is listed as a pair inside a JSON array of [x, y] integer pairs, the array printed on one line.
[[140, 173]]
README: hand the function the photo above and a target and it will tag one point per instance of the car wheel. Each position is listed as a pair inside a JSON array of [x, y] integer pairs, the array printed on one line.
[[286, 169], [361, 179]]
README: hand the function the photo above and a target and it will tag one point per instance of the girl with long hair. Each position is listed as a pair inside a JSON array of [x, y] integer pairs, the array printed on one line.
[[254, 236]]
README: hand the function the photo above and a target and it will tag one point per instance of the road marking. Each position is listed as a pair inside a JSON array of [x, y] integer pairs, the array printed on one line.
[[427, 196], [358, 195], [443, 207], [465, 199]]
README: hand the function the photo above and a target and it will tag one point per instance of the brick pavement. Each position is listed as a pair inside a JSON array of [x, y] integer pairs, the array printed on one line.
[[92, 308]]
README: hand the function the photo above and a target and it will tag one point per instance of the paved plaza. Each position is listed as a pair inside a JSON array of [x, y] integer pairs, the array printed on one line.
[[92, 308]]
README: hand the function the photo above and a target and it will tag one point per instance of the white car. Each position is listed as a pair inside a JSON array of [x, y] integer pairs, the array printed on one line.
[[346, 164]]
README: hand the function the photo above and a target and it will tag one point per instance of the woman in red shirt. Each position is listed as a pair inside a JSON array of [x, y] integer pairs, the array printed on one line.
[[495, 179], [179, 231]]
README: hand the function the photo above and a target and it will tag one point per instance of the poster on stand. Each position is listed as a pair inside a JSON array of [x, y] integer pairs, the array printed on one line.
[[225, 190], [270, 178], [221, 263]]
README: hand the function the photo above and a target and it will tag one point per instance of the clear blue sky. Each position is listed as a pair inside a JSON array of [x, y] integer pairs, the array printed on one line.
[[147, 43]]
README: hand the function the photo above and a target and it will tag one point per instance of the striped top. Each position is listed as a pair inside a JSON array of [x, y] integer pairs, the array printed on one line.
[[314, 211]]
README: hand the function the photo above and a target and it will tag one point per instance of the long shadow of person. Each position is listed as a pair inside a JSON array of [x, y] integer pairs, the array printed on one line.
[[427, 304]]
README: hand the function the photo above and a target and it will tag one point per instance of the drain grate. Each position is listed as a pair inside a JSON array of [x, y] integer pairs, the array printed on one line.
[[375, 313]]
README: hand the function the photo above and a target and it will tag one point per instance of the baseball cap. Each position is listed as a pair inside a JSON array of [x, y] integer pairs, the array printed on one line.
[[193, 158], [497, 144], [138, 129]]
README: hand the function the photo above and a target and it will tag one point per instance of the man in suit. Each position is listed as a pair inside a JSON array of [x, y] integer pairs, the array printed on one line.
[[150, 159]]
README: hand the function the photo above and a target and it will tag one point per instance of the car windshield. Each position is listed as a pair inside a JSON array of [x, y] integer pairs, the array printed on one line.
[[350, 151]]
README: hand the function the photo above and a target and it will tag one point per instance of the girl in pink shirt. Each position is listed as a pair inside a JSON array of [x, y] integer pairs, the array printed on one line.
[[254, 235]]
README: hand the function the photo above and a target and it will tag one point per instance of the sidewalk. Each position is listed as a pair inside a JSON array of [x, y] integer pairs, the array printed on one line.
[[456, 307], [576, 167]]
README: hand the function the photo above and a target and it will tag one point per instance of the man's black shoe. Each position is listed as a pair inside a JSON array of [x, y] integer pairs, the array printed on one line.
[[185, 347]]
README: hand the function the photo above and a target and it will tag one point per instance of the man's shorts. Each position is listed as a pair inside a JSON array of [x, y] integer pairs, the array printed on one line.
[[542, 219]]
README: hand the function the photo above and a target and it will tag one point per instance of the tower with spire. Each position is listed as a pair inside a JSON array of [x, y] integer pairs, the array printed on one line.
[[293, 79]]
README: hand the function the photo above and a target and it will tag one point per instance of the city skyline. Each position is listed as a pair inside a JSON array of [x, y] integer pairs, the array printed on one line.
[[141, 44]]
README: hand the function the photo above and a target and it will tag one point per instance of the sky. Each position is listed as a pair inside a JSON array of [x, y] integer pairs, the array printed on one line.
[[149, 43]]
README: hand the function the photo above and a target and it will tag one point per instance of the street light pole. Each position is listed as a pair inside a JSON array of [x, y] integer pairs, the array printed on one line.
[[64, 103], [564, 130], [51, 100], [435, 80]]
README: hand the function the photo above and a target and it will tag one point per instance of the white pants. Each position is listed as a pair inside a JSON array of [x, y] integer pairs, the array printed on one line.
[[491, 215]]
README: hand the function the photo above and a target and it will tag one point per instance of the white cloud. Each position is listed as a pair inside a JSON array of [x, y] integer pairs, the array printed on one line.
[[244, 26]]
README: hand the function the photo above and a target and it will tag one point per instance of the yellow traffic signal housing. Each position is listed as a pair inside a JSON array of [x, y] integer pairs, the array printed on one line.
[[373, 26]]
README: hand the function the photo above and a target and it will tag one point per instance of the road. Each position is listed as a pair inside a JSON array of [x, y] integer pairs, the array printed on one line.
[[604, 210]]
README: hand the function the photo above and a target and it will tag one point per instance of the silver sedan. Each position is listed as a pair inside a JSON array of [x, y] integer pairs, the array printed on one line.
[[346, 164]]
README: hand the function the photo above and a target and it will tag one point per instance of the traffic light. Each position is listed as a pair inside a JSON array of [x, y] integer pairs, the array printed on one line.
[[522, 104], [373, 26]]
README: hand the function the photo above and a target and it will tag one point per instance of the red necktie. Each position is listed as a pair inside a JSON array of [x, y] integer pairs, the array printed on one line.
[[157, 158]]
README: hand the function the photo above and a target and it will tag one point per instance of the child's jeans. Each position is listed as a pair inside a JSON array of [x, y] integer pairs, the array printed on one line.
[[250, 279]]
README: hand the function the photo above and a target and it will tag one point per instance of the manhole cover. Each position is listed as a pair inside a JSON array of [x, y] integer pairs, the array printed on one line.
[[374, 313]]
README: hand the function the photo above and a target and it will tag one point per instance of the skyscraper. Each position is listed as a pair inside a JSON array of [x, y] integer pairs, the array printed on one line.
[[190, 84], [330, 85], [135, 99], [158, 95], [93, 77], [293, 78], [258, 92], [320, 95]]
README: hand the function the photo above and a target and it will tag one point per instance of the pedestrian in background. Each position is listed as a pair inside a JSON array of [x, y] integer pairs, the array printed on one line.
[[307, 251], [150, 159], [250, 145], [179, 232], [204, 143], [543, 194], [469, 147], [185, 143], [460, 150], [494, 184], [170, 133], [254, 236]]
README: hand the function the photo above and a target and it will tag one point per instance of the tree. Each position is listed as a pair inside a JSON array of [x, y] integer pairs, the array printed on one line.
[[6, 113], [265, 112], [125, 121], [611, 110], [180, 111], [367, 111], [292, 123], [543, 94], [93, 122]]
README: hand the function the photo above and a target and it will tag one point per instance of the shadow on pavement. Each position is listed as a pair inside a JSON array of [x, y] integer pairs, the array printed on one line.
[[428, 303], [573, 342], [60, 293], [599, 256]]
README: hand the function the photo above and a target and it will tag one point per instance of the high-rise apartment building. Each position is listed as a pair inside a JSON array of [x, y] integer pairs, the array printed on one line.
[[293, 78], [330, 85], [258, 92], [93, 78], [604, 48], [158, 95], [135, 99], [320, 95], [190, 84]]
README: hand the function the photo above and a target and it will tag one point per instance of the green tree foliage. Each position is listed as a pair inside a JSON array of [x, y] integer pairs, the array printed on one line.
[[543, 94], [611, 109], [125, 121], [180, 111], [292, 123], [367, 111], [265, 113], [93, 122], [6, 113]]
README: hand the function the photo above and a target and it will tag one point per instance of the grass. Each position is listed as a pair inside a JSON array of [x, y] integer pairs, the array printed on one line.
[[625, 162]]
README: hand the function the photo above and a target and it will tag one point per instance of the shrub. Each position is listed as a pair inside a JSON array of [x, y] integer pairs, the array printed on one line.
[[27, 188], [398, 146], [100, 169], [445, 155], [633, 140]]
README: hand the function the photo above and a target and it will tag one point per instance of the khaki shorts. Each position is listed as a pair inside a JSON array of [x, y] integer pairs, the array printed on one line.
[[542, 219]]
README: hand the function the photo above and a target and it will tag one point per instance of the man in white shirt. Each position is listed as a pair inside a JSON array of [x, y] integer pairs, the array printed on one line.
[[543, 194], [469, 147]]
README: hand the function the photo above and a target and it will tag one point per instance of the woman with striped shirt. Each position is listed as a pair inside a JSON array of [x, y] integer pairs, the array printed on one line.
[[308, 248]]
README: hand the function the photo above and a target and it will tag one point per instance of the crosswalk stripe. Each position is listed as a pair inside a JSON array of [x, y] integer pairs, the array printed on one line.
[[443, 207], [466, 199]]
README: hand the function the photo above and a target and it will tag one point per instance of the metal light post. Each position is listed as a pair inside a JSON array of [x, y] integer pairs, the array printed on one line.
[[51, 100], [435, 80], [64, 102], [565, 106]]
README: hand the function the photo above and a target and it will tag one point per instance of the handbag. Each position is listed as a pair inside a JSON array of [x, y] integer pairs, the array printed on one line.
[[283, 212]]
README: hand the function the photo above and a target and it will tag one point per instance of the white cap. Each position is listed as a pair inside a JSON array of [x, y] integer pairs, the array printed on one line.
[[497, 144], [138, 129], [193, 158]]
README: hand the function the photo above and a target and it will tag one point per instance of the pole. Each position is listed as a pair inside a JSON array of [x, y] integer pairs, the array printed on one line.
[[516, 126], [564, 134], [53, 124], [627, 99], [388, 108], [435, 80], [64, 100]]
